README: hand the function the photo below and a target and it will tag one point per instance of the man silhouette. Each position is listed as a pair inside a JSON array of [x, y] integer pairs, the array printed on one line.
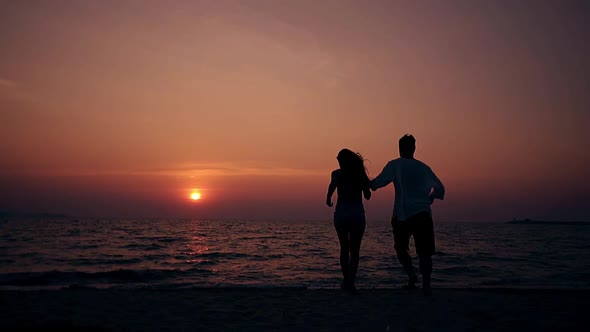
[[416, 187]]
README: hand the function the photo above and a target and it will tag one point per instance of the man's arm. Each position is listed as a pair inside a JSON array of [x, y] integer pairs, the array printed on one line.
[[438, 189], [383, 179], [331, 189]]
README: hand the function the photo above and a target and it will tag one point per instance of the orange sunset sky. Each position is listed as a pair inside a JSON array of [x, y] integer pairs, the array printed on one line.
[[124, 108]]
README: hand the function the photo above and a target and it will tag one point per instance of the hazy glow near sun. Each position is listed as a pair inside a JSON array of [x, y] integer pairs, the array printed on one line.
[[195, 196]]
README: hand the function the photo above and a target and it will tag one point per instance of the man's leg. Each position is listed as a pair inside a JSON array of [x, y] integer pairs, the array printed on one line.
[[426, 270], [401, 243], [425, 247]]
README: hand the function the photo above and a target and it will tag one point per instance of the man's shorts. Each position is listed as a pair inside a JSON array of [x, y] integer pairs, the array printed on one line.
[[421, 227]]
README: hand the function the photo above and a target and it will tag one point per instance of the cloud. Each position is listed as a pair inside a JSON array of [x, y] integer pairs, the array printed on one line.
[[182, 170], [7, 83], [230, 169]]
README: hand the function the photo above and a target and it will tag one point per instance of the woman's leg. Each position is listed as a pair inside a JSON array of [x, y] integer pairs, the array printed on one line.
[[356, 237], [344, 250]]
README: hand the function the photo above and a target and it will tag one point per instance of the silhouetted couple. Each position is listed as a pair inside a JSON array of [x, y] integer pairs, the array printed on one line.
[[416, 187]]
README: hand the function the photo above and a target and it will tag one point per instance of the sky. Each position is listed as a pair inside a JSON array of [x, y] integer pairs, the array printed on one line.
[[125, 108]]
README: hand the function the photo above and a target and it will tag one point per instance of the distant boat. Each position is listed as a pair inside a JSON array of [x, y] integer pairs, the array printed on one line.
[[528, 221]]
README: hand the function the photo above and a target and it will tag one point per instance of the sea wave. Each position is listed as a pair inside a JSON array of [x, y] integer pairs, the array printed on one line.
[[212, 253], [107, 277]]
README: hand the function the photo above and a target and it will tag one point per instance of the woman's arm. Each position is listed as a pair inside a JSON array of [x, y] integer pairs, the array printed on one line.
[[331, 189], [367, 193], [367, 188]]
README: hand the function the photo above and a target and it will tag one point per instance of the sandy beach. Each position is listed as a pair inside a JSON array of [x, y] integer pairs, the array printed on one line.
[[276, 309]]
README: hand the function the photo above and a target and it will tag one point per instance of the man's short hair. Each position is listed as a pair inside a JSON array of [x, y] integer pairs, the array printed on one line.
[[407, 145]]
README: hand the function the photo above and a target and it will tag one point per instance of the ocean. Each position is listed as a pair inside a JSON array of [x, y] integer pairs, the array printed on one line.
[[170, 253]]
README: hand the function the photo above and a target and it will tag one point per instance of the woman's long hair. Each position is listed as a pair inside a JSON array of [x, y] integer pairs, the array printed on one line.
[[353, 166]]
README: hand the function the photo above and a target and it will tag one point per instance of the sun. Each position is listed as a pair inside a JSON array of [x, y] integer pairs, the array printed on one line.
[[195, 196]]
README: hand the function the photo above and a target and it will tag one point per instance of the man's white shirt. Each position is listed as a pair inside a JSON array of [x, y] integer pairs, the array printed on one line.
[[415, 186]]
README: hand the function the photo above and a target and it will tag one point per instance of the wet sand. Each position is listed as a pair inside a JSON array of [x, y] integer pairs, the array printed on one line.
[[276, 309]]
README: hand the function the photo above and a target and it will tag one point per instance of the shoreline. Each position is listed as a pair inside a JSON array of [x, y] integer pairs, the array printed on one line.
[[293, 309], [266, 288]]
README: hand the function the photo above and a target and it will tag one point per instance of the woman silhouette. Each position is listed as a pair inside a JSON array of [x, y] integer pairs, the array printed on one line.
[[351, 182]]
